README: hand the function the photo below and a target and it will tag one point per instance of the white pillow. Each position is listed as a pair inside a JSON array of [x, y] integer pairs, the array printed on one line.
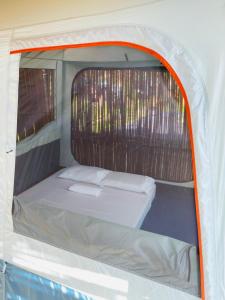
[[85, 188], [129, 182], [84, 174]]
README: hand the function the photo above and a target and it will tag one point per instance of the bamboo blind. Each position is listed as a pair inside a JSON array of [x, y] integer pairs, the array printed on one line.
[[131, 120], [35, 101]]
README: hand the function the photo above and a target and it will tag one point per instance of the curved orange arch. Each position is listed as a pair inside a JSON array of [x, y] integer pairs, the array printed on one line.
[[188, 114]]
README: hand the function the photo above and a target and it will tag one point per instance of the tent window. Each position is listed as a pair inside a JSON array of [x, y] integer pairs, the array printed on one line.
[[131, 120], [36, 101]]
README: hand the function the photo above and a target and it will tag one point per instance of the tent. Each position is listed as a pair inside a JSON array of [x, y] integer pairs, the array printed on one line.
[[188, 39]]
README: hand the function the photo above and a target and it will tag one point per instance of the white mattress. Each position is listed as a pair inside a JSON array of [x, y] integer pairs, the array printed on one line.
[[113, 205]]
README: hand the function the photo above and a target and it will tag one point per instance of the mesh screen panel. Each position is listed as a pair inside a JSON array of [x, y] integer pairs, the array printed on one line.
[[35, 102], [131, 120]]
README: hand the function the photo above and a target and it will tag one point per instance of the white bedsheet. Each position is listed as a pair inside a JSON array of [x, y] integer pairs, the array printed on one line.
[[113, 205]]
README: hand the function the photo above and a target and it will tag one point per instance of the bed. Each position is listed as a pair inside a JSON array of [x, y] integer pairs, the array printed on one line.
[[113, 205], [83, 225]]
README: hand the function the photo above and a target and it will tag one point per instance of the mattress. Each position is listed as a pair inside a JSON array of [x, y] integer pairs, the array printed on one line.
[[160, 258], [113, 205], [82, 224]]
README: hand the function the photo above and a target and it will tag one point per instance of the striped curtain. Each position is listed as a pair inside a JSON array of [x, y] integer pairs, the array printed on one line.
[[131, 120], [35, 101]]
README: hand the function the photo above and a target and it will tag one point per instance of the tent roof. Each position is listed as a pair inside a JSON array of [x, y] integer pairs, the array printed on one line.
[[94, 54], [14, 13]]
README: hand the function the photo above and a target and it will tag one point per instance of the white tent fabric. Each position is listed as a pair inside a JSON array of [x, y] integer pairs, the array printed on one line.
[[199, 26]]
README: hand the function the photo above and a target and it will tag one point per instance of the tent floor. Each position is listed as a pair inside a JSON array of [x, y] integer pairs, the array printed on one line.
[[173, 213]]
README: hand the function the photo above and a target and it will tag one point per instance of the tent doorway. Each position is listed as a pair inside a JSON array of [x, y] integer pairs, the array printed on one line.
[[161, 61]]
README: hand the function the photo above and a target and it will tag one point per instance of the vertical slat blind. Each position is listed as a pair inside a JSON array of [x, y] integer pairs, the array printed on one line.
[[131, 120], [35, 101]]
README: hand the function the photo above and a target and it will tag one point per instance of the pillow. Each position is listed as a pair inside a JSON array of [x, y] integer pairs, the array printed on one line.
[[87, 189], [129, 182], [81, 173]]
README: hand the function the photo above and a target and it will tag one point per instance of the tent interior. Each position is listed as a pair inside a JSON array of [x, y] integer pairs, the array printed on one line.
[[104, 164]]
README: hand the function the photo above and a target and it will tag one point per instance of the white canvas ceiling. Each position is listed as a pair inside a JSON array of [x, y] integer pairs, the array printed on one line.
[[94, 54]]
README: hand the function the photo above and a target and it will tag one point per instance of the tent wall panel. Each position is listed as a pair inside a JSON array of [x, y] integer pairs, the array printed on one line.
[[52, 130], [191, 82], [56, 10], [4, 73], [36, 165], [199, 64], [66, 157]]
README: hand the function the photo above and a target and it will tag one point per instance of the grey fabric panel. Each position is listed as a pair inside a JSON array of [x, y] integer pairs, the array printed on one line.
[[35, 165], [2, 265], [150, 255], [173, 213], [2, 286], [2, 280]]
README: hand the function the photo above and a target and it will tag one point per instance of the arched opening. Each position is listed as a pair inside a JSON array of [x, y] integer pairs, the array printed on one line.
[[188, 115]]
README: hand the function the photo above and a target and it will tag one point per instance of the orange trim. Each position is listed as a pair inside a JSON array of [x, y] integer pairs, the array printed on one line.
[[175, 76]]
